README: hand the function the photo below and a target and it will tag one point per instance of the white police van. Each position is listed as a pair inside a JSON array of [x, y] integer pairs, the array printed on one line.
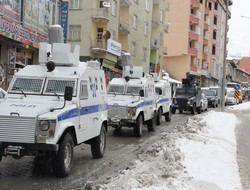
[[54, 106], [164, 99], [132, 101]]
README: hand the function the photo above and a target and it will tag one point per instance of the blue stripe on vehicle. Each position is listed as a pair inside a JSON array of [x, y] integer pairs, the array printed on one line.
[[83, 111], [162, 100], [145, 103]]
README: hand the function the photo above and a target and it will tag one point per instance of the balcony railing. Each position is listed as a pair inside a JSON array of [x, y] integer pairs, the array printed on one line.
[[156, 2], [193, 35], [195, 3], [154, 43], [126, 3], [205, 26], [192, 51], [194, 19], [100, 15], [123, 27], [98, 46], [155, 22]]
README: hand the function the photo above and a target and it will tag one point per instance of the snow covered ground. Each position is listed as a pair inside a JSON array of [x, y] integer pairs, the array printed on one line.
[[199, 155]]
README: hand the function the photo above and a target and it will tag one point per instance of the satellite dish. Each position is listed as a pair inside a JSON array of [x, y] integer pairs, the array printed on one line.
[[106, 4]]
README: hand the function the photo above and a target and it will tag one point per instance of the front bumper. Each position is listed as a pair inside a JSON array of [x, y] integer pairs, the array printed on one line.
[[118, 122], [22, 149]]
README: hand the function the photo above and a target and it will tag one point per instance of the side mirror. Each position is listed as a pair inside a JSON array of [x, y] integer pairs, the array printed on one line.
[[141, 93], [160, 92], [68, 93]]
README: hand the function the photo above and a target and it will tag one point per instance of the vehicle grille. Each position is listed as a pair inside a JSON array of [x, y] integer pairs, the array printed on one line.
[[119, 111], [182, 103], [17, 129]]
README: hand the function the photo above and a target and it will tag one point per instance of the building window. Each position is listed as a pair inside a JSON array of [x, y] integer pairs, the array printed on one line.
[[74, 33], [133, 48], [201, 1], [161, 16], [84, 90], [99, 34], [197, 62], [216, 6], [215, 20], [145, 54], [134, 21], [146, 29], [210, 6], [147, 5], [214, 35], [75, 4], [113, 7], [214, 49]]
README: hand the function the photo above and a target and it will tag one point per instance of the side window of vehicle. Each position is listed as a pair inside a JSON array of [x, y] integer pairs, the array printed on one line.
[[101, 82], [96, 83], [146, 92], [84, 90]]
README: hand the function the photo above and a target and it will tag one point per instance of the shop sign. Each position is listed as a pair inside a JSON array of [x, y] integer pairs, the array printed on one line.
[[108, 64], [18, 33], [114, 47], [64, 19]]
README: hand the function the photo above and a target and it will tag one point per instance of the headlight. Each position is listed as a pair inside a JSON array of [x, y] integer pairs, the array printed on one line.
[[131, 111], [46, 128]]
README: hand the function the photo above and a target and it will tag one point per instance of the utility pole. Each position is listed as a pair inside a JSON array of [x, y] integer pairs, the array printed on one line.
[[224, 62]]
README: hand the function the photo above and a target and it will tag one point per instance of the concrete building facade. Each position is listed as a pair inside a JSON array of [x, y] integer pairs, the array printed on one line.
[[196, 40], [108, 30]]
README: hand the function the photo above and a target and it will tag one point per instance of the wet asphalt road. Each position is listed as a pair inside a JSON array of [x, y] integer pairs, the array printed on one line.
[[121, 149], [30, 173]]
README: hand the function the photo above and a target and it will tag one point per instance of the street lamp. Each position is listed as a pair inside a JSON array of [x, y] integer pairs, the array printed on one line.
[[224, 62]]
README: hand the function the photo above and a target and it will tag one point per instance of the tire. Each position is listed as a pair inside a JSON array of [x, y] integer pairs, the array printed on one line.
[[0, 158], [168, 116], [180, 111], [98, 144], [159, 117], [193, 110], [62, 161], [199, 110], [138, 126], [151, 124], [173, 111]]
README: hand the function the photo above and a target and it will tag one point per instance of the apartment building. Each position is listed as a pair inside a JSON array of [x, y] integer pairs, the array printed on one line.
[[196, 40], [23, 24], [111, 30]]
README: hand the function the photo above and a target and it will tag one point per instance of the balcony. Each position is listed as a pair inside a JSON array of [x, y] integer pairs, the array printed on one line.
[[124, 27], [192, 51], [194, 19], [206, 26], [204, 56], [205, 41], [156, 22], [193, 35], [154, 44], [156, 2], [101, 15], [195, 3], [193, 68], [98, 46], [206, 11], [165, 50], [126, 3]]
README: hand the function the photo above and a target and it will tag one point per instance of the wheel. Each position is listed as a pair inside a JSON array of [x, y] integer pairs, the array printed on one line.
[[151, 124], [168, 116], [138, 126], [159, 117], [62, 161], [199, 110], [0, 158], [193, 110], [98, 144], [173, 110], [180, 111]]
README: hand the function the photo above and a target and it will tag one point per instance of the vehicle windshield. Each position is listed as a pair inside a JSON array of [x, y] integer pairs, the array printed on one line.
[[58, 86], [133, 90], [209, 92], [182, 91], [27, 85], [116, 89]]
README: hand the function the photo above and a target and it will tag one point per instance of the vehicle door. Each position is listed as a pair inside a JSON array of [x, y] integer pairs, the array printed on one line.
[[84, 110]]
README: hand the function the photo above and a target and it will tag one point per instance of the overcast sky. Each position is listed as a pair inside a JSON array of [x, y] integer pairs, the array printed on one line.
[[239, 29]]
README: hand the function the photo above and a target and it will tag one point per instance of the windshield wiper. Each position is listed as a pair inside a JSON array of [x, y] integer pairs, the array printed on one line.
[[17, 88], [50, 90], [113, 92]]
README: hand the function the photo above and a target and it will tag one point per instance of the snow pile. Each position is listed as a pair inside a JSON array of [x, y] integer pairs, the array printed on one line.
[[190, 157], [243, 106]]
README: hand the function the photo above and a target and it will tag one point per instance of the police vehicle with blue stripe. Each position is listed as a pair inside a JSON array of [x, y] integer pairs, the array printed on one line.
[[132, 101], [52, 107]]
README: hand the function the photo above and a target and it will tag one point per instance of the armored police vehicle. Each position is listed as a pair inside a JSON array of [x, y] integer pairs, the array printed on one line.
[[52, 107], [132, 101], [164, 100], [187, 97]]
